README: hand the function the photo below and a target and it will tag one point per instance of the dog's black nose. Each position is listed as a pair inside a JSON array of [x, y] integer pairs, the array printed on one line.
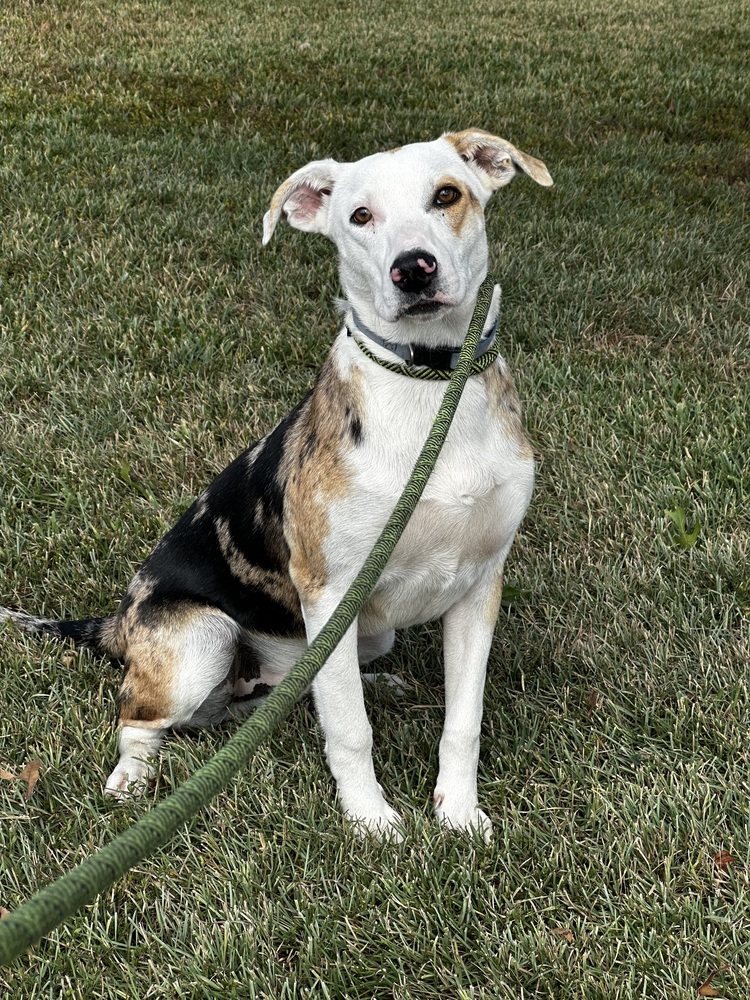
[[414, 271]]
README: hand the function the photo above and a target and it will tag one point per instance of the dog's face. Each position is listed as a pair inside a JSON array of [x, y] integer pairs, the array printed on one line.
[[408, 224]]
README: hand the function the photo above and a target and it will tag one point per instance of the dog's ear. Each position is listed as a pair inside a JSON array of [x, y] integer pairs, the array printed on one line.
[[496, 161], [303, 199]]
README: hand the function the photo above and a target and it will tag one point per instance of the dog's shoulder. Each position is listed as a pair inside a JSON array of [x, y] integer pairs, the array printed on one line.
[[504, 406], [318, 466]]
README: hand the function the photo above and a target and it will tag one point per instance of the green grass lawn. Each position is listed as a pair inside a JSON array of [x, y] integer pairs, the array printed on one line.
[[146, 338]]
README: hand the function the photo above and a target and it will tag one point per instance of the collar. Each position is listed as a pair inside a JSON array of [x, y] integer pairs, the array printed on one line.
[[419, 361]]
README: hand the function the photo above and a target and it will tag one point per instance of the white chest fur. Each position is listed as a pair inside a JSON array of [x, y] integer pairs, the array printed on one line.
[[472, 505]]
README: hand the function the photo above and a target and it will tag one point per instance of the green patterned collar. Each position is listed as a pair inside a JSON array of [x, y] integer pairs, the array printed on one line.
[[433, 364]]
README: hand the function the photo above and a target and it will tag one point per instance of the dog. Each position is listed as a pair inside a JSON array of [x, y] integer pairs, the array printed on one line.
[[231, 595]]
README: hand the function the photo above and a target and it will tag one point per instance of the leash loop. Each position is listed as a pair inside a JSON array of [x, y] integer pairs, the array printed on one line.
[[59, 900]]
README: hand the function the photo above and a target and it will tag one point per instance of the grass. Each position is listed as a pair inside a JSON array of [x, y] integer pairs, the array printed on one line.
[[146, 338]]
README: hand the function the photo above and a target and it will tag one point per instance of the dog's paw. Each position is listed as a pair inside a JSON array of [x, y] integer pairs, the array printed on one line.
[[129, 779], [463, 816], [383, 823]]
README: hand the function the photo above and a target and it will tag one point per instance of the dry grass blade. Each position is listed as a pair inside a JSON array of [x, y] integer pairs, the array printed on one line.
[[30, 774], [563, 932], [706, 989]]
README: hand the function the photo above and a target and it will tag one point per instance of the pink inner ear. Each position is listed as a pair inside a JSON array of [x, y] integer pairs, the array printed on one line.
[[490, 159], [305, 202]]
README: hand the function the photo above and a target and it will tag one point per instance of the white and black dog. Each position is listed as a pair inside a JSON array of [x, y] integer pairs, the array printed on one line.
[[229, 598]]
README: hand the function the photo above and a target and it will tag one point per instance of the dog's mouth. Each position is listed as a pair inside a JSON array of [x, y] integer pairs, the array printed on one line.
[[426, 307]]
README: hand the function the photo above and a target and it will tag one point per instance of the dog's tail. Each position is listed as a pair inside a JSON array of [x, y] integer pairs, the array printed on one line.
[[99, 634]]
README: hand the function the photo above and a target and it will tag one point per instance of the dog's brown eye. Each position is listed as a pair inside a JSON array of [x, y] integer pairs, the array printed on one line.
[[361, 216], [447, 196]]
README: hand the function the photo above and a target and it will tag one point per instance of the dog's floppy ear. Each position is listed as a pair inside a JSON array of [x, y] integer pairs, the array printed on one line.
[[303, 199], [495, 159]]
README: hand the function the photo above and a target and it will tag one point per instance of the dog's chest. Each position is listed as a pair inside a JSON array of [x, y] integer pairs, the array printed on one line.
[[471, 506]]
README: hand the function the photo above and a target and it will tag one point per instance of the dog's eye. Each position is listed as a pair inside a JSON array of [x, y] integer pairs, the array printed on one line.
[[447, 196], [361, 216]]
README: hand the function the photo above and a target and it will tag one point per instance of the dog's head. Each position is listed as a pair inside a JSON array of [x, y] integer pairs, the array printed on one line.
[[408, 225]]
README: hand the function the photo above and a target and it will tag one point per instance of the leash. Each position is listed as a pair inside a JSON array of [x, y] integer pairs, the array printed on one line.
[[61, 899]]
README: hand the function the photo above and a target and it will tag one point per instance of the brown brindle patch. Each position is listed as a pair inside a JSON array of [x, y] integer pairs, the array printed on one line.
[[201, 508], [465, 208], [145, 696], [505, 405], [277, 585], [496, 156], [492, 607], [154, 654], [128, 618], [316, 471], [110, 638]]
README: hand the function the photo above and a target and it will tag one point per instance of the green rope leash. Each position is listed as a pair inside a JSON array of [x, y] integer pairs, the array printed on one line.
[[62, 898]]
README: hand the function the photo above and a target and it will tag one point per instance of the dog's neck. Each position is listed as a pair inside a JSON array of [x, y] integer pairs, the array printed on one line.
[[402, 342], [439, 359]]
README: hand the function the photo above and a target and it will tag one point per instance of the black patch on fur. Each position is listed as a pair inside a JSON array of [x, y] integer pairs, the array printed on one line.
[[259, 691], [352, 425], [355, 429], [85, 632], [246, 663], [126, 603], [188, 564], [308, 448]]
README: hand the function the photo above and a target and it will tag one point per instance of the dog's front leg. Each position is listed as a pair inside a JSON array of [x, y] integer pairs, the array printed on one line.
[[340, 703], [468, 628]]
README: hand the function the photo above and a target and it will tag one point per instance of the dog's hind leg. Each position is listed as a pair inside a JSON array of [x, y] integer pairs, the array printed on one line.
[[179, 672]]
